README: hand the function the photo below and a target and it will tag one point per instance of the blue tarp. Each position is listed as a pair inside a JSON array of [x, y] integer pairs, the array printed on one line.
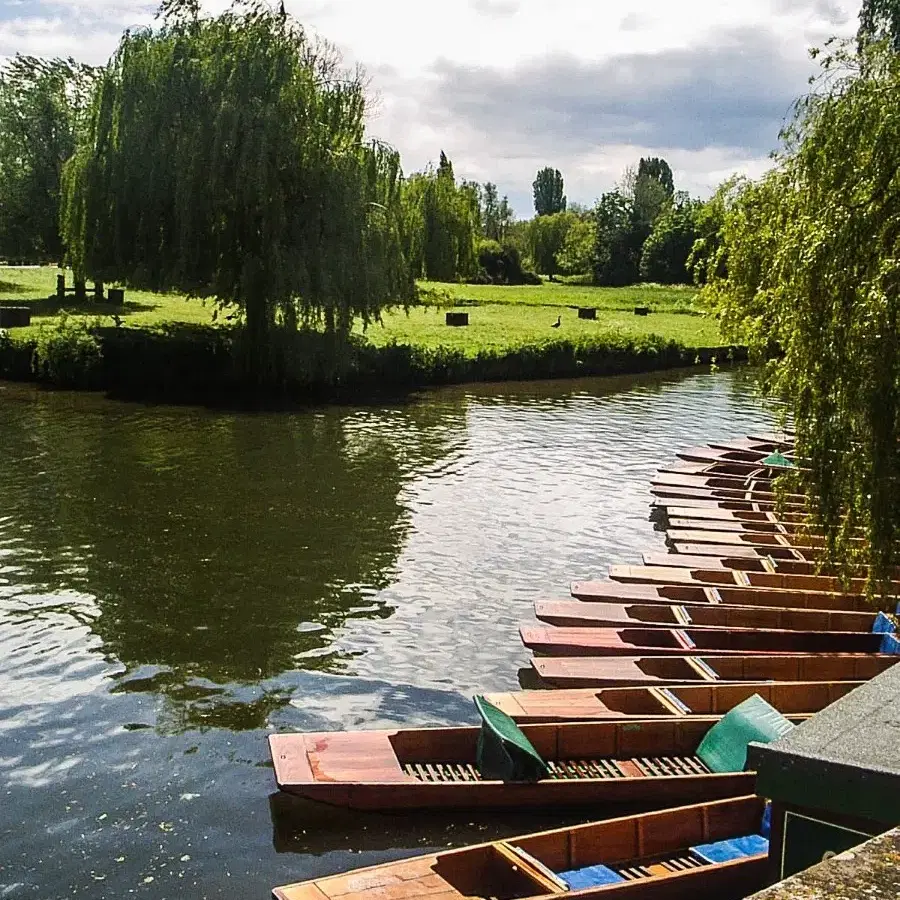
[[590, 876], [736, 848]]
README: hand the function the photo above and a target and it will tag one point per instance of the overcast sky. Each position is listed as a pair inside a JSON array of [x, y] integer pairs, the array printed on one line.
[[508, 86]]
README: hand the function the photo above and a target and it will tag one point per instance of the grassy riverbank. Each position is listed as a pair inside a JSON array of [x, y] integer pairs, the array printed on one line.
[[168, 344]]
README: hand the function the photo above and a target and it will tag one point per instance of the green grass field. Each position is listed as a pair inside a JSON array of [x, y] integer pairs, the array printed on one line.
[[500, 317]]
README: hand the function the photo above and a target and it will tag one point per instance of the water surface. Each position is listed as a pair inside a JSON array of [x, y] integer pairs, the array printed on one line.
[[175, 583]]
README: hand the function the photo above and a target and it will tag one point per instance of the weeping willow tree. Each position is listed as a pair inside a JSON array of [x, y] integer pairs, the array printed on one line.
[[226, 158], [813, 274], [42, 102], [442, 222]]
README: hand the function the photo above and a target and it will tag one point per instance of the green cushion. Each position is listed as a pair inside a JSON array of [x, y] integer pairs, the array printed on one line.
[[724, 749], [777, 459], [503, 752]]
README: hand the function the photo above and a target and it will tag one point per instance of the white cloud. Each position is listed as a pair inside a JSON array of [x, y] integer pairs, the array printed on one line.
[[416, 56]]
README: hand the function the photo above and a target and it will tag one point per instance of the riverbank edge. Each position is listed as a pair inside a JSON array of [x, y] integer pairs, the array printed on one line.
[[202, 365]]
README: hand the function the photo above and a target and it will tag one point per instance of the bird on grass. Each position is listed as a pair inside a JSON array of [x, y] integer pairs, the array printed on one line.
[[557, 323]]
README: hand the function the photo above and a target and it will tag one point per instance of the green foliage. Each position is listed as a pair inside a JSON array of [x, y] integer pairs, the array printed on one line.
[[502, 264], [879, 20], [708, 258], [496, 213], [441, 221], [813, 271], [664, 257], [577, 252], [68, 353], [659, 170], [546, 239], [650, 200], [41, 107], [226, 158], [626, 217], [549, 196], [618, 247]]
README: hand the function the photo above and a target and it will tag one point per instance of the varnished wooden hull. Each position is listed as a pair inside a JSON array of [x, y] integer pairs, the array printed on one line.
[[578, 614], [757, 487], [551, 641], [806, 544], [726, 498], [580, 705], [719, 511], [746, 562], [596, 671], [648, 841], [731, 595], [366, 770], [672, 574]]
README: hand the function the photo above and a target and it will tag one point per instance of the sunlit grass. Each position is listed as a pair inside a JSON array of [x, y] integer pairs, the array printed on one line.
[[499, 317]]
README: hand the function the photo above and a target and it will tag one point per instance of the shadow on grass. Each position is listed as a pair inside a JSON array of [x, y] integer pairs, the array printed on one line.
[[9, 287], [50, 306]]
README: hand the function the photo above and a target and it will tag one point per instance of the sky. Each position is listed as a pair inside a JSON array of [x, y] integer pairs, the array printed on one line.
[[506, 87]]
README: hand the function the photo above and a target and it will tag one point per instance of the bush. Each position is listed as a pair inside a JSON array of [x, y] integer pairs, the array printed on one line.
[[501, 264], [68, 355]]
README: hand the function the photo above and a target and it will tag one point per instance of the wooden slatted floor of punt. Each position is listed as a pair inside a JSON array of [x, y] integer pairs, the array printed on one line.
[[571, 769], [665, 866]]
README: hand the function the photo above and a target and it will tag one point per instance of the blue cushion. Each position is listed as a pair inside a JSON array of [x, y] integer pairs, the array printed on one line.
[[889, 644], [590, 876], [882, 625], [765, 828], [752, 844], [737, 848]]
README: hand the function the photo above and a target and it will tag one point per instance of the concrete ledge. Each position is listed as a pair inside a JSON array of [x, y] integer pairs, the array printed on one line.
[[870, 871]]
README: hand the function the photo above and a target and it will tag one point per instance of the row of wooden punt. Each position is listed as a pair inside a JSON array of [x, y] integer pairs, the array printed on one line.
[[618, 744], [743, 582]]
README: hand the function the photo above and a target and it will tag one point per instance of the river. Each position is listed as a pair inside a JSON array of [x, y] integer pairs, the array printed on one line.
[[175, 583]]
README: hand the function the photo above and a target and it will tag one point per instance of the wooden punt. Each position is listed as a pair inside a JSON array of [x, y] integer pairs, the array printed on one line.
[[657, 856], [744, 551], [709, 454], [711, 576], [769, 562], [728, 492], [596, 671], [721, 512], [766, 445], [806, 543], [789, 698], [685, 517], [578, 614], [714, 503], [634, 761], [743, 469], [788, 437], [550, 641], [716, 498], [733, 482], [624, 592]]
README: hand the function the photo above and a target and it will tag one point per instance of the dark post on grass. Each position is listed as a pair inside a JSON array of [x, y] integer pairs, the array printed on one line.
[[116, 296], [642, 310], [587, 312], [457, 319], [61, 288], [15, 316]]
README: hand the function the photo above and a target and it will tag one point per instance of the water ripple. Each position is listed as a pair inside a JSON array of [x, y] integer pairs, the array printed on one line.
[[176, 583]]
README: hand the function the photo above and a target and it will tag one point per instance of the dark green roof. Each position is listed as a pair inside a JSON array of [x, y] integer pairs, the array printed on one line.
[[845, 759]]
